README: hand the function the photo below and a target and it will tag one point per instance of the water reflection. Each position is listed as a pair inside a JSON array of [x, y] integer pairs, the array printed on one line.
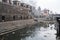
[[42, 33], [36, 32]]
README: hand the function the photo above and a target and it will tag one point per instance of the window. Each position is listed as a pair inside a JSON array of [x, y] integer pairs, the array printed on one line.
[[22, 4], [27, 6], [30, 7], [30, 10], [14, 3], [4, 0], [27, 17], [18, 3]]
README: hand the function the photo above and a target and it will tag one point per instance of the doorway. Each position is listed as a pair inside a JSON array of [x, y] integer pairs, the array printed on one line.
[[13, 17], [3, 17]]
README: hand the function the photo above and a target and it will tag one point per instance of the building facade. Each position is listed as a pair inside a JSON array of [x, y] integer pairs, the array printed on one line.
[[46, 12], [17, 11]]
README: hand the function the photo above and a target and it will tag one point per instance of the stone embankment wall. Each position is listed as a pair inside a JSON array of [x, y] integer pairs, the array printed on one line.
[[6, 27]]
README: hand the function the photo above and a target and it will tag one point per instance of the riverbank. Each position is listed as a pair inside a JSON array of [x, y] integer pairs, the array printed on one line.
[[33, 33], [6, 27]]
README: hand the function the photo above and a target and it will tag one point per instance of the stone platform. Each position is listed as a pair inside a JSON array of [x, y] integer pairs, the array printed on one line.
[[9, 26]]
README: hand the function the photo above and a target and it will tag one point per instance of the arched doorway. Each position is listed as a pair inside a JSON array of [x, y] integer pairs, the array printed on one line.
[[21, 17], [3, 17], [13, 17]]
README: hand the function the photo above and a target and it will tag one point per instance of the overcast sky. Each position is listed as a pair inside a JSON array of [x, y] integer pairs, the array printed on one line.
[[53, 5]]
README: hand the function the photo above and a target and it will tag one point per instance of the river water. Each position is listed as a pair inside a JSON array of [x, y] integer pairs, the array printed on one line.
[[36, 32]]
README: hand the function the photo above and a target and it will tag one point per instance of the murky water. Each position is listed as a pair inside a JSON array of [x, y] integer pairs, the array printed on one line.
[[42, 33], [33, 33]]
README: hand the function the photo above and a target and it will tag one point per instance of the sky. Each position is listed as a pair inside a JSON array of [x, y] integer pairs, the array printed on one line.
[[53, 5]]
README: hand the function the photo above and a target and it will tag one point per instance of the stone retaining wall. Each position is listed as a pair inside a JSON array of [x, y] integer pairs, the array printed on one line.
[[13, 25]]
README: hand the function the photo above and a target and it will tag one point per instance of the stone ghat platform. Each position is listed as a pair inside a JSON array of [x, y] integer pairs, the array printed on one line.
[[10, 26]]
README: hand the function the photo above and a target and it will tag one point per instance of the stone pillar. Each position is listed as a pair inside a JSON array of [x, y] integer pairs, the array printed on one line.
[[10, 2]]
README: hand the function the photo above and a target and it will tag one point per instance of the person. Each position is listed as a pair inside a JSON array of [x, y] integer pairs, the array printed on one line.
[[58, 27]]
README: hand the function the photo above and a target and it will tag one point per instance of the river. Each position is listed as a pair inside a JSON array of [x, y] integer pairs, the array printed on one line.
[[36, 32]]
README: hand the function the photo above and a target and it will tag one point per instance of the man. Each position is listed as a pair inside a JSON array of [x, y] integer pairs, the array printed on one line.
[[58, 26]]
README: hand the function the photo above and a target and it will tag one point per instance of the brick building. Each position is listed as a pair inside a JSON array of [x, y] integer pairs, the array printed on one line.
[[15, 11]]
